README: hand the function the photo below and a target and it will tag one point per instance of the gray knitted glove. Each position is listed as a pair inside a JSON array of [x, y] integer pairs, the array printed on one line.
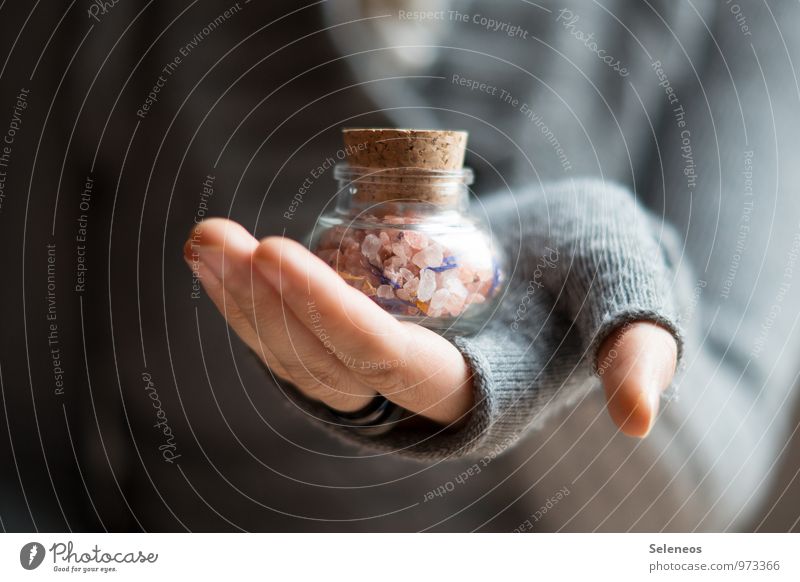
[[585, 260]]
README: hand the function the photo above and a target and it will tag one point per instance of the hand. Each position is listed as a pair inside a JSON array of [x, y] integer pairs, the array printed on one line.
[[314, 330], [637, 363], [338, 347]]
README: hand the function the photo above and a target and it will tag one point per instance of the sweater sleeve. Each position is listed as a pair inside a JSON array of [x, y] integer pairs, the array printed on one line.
[[585, 260]]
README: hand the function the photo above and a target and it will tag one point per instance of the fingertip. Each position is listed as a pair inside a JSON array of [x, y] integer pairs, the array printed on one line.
[[638, 364], [189, 255], [221, 233], [221, 245], [632, 409]]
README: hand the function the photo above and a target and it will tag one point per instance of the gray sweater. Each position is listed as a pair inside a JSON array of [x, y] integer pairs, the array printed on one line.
[[691, 220]]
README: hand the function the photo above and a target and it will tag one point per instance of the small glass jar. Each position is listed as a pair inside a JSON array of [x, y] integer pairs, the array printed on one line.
[[406, 238]]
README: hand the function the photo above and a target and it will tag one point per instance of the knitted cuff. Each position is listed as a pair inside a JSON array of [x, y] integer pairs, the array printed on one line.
[[612, 268]]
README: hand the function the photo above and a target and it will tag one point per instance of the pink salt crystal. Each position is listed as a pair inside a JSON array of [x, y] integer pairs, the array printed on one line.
[[394, 263], [455, 305], [455, 309], [434, 312], [473, 286], [449, 275], [352, 265], [353, 255], [431, 256], [457, 297], [403, 250], [355, 268], [371, 246], [416, 239], [466, 274], [456, 287], [475, 298], [399, 252], [406, 274], [427, 285], [439, 299], [484, 287], [403, 294], [385, 292], [411, 285], [385, 241], [392, 276], [349, 243]]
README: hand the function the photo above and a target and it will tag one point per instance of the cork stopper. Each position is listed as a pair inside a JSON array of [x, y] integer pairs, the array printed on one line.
[[406, 164], [405, 148]]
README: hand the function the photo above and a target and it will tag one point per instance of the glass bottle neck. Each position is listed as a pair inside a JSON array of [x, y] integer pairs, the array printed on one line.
[[401, 192]]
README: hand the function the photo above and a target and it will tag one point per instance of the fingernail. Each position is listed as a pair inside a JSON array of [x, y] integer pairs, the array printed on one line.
[[190, 254]]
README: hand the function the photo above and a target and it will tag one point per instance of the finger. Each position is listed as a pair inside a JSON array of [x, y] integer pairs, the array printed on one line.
[[437, 383], [234, 316], [223, 300], [226, 249], [412, 366], [637, 363], [359, 329]]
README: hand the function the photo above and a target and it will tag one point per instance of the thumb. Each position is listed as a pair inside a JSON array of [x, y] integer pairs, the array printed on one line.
[[636, 363]]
